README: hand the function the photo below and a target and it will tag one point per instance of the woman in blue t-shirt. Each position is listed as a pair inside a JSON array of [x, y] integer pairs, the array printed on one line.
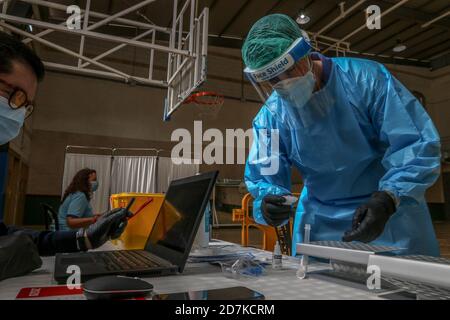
[[76, 210]]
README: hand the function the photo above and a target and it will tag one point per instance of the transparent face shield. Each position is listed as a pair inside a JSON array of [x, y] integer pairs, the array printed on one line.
[[294, 64]]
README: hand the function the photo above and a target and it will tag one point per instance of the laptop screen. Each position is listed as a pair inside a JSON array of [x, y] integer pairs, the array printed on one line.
[[179, 217]]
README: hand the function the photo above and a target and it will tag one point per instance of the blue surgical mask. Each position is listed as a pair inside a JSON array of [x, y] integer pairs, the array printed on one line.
[[297, 91], [11, 121], [94, 186]]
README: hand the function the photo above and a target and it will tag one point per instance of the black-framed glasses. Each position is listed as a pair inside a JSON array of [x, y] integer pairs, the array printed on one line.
[[18, 99]]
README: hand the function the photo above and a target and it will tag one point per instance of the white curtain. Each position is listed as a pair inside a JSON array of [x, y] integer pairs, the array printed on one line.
[[101, 164], [133, 174], [142, 174], [164, 169], [168, 171]]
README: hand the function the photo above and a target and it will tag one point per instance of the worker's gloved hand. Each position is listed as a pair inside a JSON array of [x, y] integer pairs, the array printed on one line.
[[274, 211], [117, 231], [370, 218], [109, 226]]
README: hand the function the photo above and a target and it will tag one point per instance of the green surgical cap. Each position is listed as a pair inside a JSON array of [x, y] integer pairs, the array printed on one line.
[[268, 39]]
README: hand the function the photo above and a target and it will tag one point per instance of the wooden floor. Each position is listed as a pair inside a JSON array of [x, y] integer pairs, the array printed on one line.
[[255, 239]]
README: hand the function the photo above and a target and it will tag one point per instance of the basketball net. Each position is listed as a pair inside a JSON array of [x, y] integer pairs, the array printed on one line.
[[207, 103]]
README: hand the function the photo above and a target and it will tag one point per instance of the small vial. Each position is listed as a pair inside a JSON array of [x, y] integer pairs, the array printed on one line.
[[302, 270], [277, 258]]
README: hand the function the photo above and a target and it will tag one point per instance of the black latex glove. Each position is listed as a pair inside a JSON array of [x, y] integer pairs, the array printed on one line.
[[370, 219], [109, 226], [275, 213], [120, 224]]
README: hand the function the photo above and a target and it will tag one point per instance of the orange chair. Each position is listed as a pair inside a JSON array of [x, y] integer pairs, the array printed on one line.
[[243, 215]]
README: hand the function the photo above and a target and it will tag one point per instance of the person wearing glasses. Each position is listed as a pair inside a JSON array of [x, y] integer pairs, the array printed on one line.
[[17, 101], [20, 71], [17, 90]]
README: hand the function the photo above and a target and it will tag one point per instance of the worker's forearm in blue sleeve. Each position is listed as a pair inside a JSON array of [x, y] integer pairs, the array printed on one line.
[[267, 171], [50, 242], [57, 241], [412, 158]]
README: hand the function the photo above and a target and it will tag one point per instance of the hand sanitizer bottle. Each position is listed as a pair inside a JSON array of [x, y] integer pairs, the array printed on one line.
[[277, 257]]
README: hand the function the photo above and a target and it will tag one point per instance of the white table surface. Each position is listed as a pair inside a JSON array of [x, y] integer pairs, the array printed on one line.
[[276, 284]]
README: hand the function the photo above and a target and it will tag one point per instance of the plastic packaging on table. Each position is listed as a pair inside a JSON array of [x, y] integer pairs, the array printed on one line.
[[245, 266]]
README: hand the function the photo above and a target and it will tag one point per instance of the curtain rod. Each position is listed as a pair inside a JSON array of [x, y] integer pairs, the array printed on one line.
[[137, 149], [113, 150], [87, 147]]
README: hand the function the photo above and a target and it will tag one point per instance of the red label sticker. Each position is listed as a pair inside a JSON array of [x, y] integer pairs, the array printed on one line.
[[42, 292]]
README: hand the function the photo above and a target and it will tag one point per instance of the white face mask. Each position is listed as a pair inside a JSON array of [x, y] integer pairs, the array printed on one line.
[[297, 91], [11, 121]]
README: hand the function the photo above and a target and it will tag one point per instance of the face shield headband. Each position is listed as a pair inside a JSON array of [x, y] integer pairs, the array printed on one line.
[[264, 78]]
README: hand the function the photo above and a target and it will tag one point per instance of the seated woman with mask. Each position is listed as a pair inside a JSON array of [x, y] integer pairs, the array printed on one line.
[[76, 210]]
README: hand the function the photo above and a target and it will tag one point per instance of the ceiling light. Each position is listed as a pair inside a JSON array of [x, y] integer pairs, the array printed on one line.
[[399, 47], [302, 18]]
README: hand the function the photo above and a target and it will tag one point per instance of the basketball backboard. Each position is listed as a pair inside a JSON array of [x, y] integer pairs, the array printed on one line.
[[182, 44], [185, 73]]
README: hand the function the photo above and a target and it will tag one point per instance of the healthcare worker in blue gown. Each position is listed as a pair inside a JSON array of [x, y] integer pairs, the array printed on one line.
[[364, 145]]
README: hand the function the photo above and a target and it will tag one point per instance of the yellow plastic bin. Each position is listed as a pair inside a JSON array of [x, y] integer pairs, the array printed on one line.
[[139, 226]]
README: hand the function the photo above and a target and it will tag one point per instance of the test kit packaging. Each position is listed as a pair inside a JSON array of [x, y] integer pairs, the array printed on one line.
[[203, 236]]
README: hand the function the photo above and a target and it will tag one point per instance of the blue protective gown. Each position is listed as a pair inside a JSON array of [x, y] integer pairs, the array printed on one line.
[[362, 132]]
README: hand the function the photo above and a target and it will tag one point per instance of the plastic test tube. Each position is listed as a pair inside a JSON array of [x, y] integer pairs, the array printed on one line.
[[290, 200], [303, 267]]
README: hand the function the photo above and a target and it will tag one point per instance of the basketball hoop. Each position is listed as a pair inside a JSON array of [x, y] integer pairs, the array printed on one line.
[[208, 103]]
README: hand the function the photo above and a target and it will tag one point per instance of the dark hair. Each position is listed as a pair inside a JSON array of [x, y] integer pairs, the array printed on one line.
[[12, 49], [80, 182]]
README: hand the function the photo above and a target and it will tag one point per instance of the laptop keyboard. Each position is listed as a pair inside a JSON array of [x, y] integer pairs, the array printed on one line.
[[127, 260]]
